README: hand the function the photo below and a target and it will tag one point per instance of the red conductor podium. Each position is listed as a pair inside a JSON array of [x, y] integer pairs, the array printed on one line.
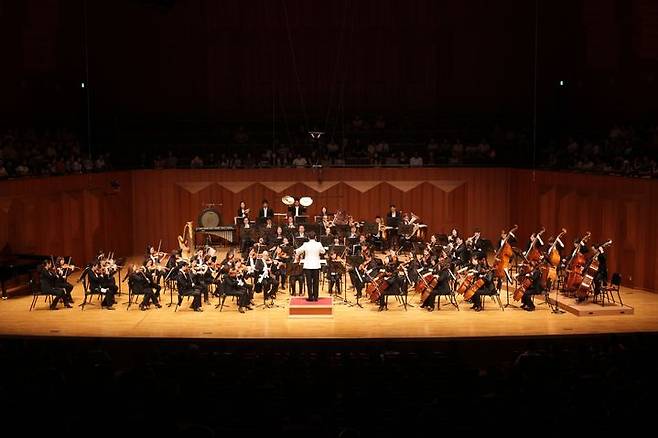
[[298, 307]]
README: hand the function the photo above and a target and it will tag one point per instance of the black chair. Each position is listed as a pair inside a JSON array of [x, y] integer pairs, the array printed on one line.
[[89, 293], [37, 292], [608, 291]]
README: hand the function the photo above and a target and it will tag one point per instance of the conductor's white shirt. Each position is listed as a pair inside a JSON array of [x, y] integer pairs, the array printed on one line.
[[312, 250]]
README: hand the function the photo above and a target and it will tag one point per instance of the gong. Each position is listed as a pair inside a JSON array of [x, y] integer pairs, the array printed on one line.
[[209, 218]]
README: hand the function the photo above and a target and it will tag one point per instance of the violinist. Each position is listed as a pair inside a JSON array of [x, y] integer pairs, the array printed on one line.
[[296, 276], [335, 270], [485, 273], [535, 288], [63, 272], [201, 274], [153, 272], [264, 276], [101, 280], [141, 283], [282, 255], [442, 270], [290, 223], [236, 286], [187, 287], [48, 281], [392, 276]]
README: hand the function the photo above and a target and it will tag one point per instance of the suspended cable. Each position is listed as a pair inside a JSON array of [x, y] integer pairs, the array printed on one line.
[[294, 65]]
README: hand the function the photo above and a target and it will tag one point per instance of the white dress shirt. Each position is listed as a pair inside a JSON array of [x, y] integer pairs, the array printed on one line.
[[312, 250]]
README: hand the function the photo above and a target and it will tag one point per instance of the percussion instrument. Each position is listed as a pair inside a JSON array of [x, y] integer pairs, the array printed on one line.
[[209, 218], [306, 201], [288, 200]]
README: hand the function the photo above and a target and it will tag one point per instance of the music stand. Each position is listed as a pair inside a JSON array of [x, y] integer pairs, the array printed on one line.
[[343, 230], [405, 230], [299, 241], [370, 228], [316, 228], [326, 241], [302, 219]]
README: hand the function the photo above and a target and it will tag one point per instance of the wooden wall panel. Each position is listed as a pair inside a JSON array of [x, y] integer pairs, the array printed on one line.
[[73, 215], [80, 214]]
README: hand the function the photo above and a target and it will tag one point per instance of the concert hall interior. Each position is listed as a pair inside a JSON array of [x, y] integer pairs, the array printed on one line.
[[345, 219]]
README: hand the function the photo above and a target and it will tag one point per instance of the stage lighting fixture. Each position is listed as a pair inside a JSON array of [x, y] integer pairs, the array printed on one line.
[[82, 84]]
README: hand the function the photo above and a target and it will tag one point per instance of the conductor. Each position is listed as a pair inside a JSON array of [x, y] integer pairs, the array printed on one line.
[[312, 251]]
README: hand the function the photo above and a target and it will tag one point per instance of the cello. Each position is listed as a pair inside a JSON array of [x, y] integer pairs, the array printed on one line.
[[590, 272], [576, 265], [503, 255]]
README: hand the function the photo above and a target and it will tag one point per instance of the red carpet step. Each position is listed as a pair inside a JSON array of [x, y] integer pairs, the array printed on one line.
[[300, 308]]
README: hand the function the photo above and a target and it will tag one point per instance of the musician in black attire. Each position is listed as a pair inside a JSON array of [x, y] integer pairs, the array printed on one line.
[[393, 219], [335, 271], [487, 288], [63, 272], [394, 278], [265, 213], [101, 280], [296, 209], [296, 276], [533, 289], [48, 280], [186, 287], [243, 211], [442, 286], [141, 282], [246, 237], [601, 277], [234, 285]]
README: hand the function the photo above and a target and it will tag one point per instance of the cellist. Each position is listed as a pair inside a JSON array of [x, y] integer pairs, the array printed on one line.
[[535, 288], [442, 286], [486, 274]]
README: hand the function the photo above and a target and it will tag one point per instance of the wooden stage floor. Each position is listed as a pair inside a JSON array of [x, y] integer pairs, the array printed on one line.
[[347, 323]]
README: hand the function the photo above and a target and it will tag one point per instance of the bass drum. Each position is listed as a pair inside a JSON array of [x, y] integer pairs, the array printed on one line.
[[209, 218]]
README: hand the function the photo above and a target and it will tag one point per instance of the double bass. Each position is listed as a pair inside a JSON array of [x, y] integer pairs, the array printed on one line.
[[551, 261], [590, 272], [533, 254], [576, 265], [503, 255]]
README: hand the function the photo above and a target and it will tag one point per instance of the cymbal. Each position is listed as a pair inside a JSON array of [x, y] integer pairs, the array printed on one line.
[[288, 200], [306, 201]]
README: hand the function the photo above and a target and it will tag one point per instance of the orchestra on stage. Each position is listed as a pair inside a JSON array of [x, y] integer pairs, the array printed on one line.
[[390, 258]]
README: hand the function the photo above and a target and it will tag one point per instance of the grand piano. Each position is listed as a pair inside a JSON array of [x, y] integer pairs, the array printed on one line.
[[15, 266]]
